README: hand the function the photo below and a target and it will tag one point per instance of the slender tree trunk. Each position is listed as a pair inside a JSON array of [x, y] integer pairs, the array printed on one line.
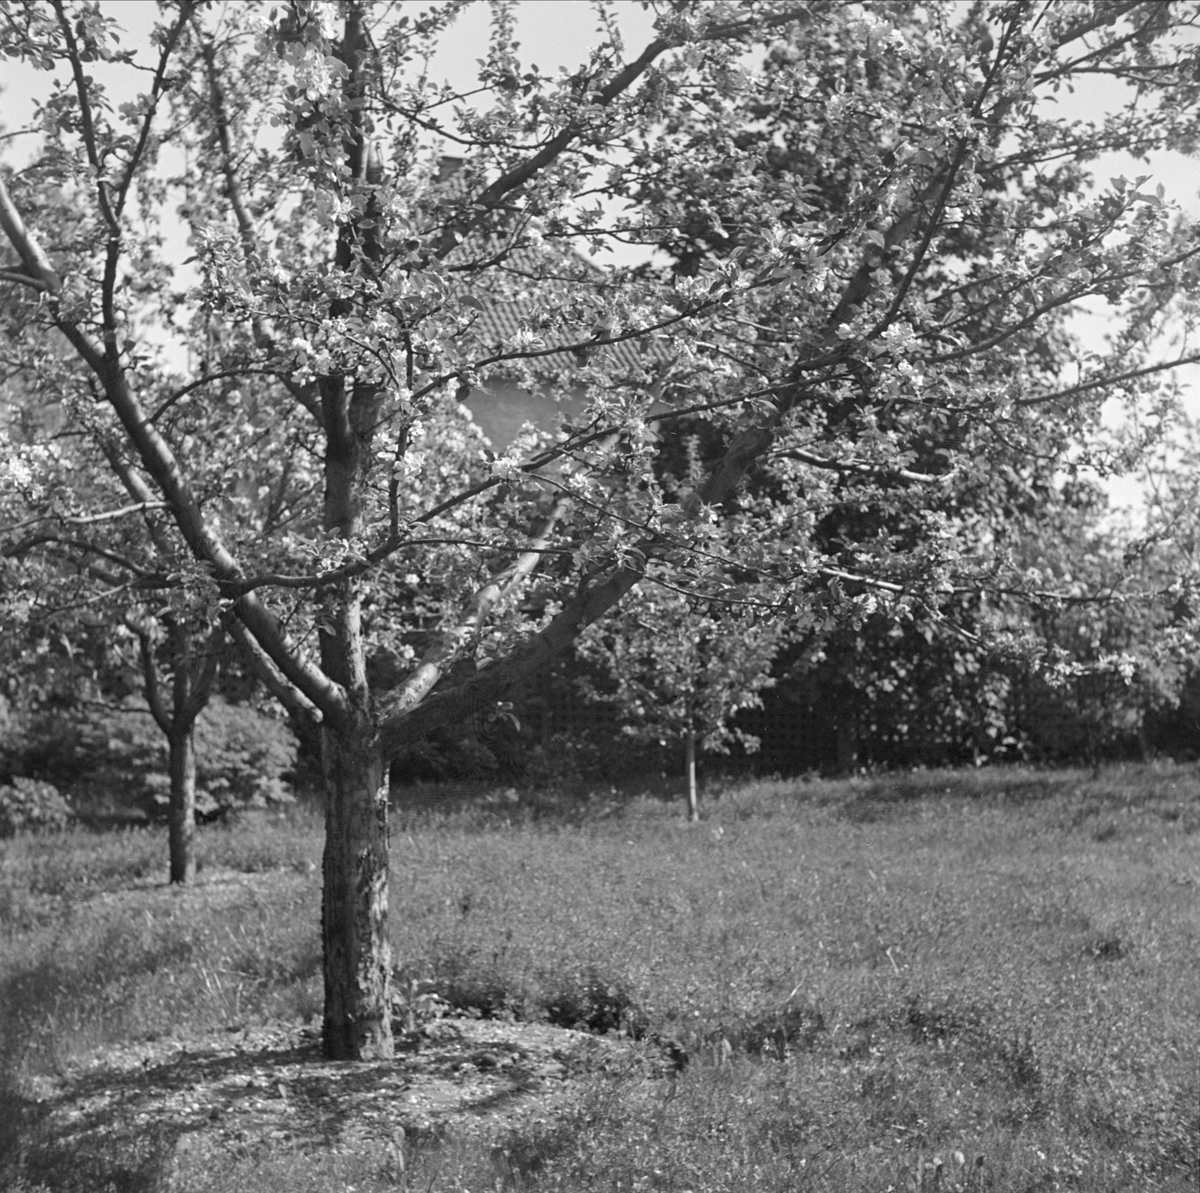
[[1145, 749], [689, 763], [847, 734], [354, 902], [193, 680], [182, 806]]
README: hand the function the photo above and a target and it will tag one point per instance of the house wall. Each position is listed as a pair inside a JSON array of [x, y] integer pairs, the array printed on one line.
[[503, 412]]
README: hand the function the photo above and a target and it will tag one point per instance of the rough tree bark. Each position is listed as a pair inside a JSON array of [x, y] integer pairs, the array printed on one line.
[[354, 900], [182, 808]]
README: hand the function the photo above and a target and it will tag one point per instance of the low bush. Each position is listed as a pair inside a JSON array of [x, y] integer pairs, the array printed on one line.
[[244, 757], [588, 1000], [32, 804]]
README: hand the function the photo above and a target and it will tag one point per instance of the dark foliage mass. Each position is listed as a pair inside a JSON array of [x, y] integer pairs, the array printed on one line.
[[31, 805], [113, 760]]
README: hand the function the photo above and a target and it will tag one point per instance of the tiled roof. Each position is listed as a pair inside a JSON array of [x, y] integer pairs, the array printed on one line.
[[551, 266], [501, 321]]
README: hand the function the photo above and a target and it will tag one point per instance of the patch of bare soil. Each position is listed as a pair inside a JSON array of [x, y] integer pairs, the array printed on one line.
[[268, 1090]]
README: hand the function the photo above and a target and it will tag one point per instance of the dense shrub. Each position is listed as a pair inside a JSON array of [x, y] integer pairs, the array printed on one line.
[[243, 756], [32, 804]]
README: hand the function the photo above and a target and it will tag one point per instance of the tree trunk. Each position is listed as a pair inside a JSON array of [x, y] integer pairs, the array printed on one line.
[[689, 763], [182, 806], [354, 901], [1145, 749], [847, 734]]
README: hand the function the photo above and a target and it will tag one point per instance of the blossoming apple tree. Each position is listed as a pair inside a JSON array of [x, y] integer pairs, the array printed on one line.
[[853, 328]]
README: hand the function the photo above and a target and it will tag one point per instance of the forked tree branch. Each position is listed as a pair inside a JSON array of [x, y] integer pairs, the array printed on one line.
[[271, 677], [403, 728], [451, 644], [150, 682]]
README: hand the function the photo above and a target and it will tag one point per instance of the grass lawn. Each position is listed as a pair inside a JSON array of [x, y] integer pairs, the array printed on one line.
[[955, 980]]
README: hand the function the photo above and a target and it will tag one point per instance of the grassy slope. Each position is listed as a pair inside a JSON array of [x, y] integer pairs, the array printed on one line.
[[868, 974]]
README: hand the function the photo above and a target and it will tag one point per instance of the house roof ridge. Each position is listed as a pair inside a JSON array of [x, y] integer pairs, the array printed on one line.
[[504, 318]]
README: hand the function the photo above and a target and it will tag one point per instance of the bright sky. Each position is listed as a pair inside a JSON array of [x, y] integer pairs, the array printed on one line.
[[554, 33]]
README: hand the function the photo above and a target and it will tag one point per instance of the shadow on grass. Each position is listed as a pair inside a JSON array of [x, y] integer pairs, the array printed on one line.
[[486, 803], [270, 1102], [1169, 792], [904, 795], [136, 1128], [120, 1141]]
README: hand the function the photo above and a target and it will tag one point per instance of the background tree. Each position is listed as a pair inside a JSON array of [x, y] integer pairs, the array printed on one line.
[[1074, 654], [678, 669], [90, 550], [869, 333], [1115, 629]]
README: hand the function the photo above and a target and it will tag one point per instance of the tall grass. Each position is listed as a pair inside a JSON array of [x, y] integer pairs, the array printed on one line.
[[96, 949], [953, 980]]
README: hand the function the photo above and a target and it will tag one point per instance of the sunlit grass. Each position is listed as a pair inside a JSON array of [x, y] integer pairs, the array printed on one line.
[[982, 979]]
